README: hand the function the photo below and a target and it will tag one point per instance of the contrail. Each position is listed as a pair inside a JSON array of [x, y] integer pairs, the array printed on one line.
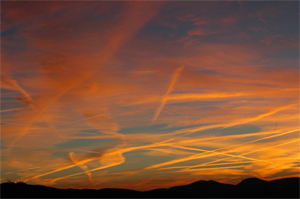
[[227, 163], [244, 144], [124, 150], [9, 83], [116, 158], [82, 166], [265, 60], [134, 18], [271, 112], [245, 153], [13, 109], [84, 119], [75, 174], [62, 168], [209, 153], [39, 113], [13, 84], [177, 73], [193, 157], [164, 143], [216, 152], [230, 124], [196, 156], [268, 137], [196, 96], [51, 125], [272, 146], [29, 168], [205, 96], [26, 129], [121, 151]]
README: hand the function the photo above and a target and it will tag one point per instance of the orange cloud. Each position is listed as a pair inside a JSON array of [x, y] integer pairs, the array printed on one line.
[[82, 166], [8, 110], [86, 78], [177, 72]]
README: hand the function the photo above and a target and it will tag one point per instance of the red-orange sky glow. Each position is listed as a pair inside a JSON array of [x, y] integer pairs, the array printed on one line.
[[148, 94]]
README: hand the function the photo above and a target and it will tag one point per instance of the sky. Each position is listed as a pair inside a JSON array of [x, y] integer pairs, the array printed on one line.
[[148, 94]]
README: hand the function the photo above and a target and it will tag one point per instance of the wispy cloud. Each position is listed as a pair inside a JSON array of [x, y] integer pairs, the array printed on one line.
[[79, 90], [8, 110], [176, 75], [82, 166]]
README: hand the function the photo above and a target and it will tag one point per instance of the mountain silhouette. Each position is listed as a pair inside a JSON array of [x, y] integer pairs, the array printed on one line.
[[248, 188]]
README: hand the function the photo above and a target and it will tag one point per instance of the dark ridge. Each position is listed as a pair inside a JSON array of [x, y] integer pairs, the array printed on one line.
[[207, 189], [251, 181], [248, 188], [166, 193]]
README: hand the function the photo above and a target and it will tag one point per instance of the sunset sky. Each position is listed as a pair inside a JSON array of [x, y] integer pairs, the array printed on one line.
[[149, 94]]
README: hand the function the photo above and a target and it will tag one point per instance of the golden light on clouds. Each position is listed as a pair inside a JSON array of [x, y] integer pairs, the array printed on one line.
[[145, 95]]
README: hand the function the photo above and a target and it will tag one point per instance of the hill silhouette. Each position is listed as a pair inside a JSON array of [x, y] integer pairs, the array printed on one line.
[[248, 188]]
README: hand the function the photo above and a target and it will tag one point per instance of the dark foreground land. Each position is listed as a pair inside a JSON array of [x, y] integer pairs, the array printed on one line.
[[248, 188]]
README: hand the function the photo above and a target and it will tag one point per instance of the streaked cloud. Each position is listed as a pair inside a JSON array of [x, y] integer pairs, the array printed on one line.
[[146, 95]]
